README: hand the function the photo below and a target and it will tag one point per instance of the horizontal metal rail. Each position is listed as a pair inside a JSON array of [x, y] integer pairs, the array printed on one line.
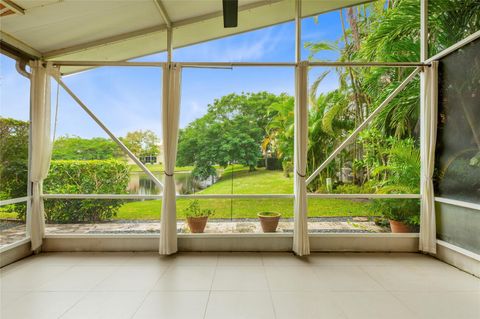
[[156, 197], [238, 196], [14, 201], [238, 64], [460, 203], [226, 196], [368, 64], [364, 196], [100, 196], [107, 63]]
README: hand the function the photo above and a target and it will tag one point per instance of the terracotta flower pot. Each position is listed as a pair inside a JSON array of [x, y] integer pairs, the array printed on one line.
[[399, 227], [269, 221], [197, 224]]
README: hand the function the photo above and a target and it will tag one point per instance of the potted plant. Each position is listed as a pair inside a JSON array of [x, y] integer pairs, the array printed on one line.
[[269, 221], [196, 217], [401, 175], [402, 214]]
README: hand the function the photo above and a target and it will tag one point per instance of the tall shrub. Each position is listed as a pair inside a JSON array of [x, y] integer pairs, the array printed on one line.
[[13, 162], [85, 177]]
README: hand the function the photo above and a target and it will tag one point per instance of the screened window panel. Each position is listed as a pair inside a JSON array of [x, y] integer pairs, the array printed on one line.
[[457, 170]]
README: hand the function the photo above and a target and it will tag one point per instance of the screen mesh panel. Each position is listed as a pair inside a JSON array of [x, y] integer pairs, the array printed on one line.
[[457, 171]]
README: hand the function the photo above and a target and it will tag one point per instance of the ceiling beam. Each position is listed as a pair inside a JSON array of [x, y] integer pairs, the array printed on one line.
[[19, 45], [104, 41], [163, 12], [13, 6]]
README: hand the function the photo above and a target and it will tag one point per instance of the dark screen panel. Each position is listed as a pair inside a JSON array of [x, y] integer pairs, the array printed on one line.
[[457, 169]]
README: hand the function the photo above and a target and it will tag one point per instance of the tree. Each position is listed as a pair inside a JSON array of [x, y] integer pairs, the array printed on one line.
[[13, 158], [231, 132], [142, 143], [77, 148]]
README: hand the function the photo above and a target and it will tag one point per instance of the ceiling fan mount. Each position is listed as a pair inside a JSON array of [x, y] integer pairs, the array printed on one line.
[[230, 13]]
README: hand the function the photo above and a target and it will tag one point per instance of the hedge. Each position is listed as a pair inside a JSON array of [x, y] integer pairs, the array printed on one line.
[[85, 177]]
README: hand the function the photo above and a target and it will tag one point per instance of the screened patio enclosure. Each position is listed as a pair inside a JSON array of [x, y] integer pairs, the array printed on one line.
[[54, 55]]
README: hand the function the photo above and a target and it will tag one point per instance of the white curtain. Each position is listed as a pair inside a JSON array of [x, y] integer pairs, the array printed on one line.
[[171, 114], [41, 146], [428, 235], [301, 245]]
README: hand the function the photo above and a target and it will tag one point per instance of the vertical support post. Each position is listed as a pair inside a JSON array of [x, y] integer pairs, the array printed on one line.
[[301, 244], [298, 30], [423, 57], [28, 214], [169, 44], [423, 30]]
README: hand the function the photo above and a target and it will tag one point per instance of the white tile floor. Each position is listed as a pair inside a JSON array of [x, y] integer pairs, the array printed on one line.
[[236, 285]]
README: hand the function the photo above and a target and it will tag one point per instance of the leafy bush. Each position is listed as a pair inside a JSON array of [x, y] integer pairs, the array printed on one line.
[[85, 177], [13, 162], [354, 189]]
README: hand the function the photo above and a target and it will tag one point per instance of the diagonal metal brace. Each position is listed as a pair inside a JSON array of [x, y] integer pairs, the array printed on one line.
[[109, 133], [354, 134]]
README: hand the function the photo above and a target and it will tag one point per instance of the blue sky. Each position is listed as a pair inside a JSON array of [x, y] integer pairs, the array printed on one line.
[[128, 99]]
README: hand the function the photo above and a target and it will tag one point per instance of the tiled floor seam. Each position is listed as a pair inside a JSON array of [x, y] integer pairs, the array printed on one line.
[[210, 290], [150, 291], [392, 293], [85, 293], [361, 267], [141, 303], [345, 315]]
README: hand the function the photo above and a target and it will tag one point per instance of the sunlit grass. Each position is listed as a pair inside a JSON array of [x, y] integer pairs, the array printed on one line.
[[260, 181]]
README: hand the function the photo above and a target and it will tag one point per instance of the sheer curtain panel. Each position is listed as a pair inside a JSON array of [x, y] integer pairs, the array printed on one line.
[[428, 241], [301, 245], [41, 146], [170, 120]]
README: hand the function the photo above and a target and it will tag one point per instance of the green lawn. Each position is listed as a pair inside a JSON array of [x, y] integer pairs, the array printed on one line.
[[260, 181]]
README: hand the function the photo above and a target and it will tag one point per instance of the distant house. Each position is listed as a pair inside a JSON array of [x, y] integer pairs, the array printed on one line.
[[151, 158]]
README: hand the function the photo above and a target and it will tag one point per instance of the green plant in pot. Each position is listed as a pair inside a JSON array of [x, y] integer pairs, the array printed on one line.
[[269, 221], [402, 214], [196, 217], [400, 175]]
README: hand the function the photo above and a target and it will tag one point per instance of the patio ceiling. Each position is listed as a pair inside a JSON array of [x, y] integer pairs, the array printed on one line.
[[119, 30]]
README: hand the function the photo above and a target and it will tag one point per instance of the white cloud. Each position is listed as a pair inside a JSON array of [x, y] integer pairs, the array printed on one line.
[[245, 47]]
